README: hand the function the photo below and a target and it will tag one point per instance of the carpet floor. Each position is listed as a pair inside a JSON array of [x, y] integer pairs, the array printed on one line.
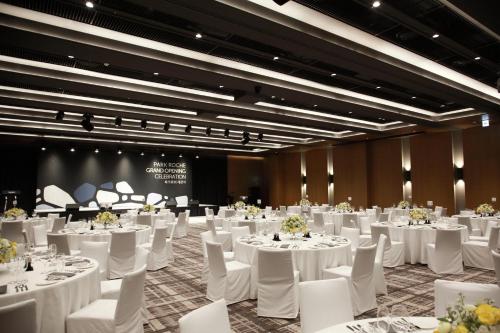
[[176, 290]]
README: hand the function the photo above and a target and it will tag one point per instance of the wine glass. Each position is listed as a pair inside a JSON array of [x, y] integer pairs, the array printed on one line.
[[383, 318], [398, 313]]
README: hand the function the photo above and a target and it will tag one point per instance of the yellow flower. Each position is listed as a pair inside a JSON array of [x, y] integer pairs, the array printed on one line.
[[444, 327], [461, 329], [486, 314], [497, 315]]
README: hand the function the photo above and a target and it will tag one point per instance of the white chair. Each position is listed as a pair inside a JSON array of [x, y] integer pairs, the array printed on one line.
[[350, 220], [109, 315], [13, 231], [170, 247], [378, 267], [394, 252], [209, 318], [59, 224], [496, 263], [445, 256], [210, 222], [145, 220], [324, 303], [487, 231], [207, 236], [19, 317], [237, 232], [121, 254], [158, 254], [319, 224], [62, 244], [181, 226], [226, 280], [277, 285], [365, 239], [220, 236], [188, 214], [353, 235], [383, 217], [99, 252], [110, 289], [446, 293], [478, 253], [466, 220], [360, 278], [40, 235]]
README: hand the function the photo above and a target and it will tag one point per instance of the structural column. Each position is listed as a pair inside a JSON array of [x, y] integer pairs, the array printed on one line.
[[458, 167], [406, 168], [330, 172]]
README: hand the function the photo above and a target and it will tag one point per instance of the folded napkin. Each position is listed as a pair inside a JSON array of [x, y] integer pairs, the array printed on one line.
[[73, 262], [66, 274]]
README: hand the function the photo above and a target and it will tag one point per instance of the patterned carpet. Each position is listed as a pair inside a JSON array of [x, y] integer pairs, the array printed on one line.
[[176, 290]]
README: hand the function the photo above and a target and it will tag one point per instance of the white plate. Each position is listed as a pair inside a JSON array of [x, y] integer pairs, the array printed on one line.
[[47, 283]]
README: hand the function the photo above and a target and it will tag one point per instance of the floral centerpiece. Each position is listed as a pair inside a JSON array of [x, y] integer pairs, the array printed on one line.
[[14, 212], [467, 318], [418, 214], [148, 208], [253, 211], [239, 205], [8, 250], [106, 218], [485, 209], [343, 207], [304, 202], [403, 204], [294, 224]]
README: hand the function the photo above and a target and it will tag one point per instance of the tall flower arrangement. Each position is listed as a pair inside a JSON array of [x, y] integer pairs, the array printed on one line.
[[294, 224], [305, 202], [418, 214], [148, 208], [239, 205], [485, 209], [253, 211], [343, 207], [106, 218], [8, 250], [14, 212], [403, 204]]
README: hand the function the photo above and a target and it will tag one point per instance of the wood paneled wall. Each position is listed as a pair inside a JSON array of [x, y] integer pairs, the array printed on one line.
[[284, 178], [482, 165], [350, 172], [317, 176], [384, 172], [432, 169], [244, 173]]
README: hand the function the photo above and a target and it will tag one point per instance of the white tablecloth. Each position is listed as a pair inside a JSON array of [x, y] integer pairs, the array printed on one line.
[[309, 258], [417, 237], [337, 219], [267, 225], [428, 325], [55, 301], [77, 236]]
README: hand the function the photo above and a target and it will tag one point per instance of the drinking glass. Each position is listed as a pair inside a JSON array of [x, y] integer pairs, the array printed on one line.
[[383, 318], [398, 312]]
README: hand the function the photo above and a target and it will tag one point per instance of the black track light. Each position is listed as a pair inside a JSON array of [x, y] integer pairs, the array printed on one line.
[[188, 129], [87, 123], [260, 137], [118, 121], [166, 127], [60, 115], [226, 133], [246, 138], [281, 2], [208, 131], [144, 124]]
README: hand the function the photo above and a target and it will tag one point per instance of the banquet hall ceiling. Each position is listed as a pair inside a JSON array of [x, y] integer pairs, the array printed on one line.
[[308, 72]]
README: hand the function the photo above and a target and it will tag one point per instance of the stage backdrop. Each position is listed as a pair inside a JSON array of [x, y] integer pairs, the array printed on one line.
[[91, 179]]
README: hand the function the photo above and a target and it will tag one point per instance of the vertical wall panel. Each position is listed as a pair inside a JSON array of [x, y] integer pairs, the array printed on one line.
[[246, 176], [317, 176]]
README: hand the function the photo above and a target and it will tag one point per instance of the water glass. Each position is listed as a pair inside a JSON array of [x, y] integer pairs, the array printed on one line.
[[398, 313], [383, 319]]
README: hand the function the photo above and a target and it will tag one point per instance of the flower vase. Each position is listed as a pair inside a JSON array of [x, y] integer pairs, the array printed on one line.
[[105, 226]]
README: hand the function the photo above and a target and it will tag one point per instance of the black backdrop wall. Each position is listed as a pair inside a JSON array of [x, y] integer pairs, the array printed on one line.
[[210, 179]]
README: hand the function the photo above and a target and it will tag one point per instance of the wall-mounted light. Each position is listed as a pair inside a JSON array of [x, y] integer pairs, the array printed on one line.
[[407, 176], [304, 180], [459, 174], [330, 178]]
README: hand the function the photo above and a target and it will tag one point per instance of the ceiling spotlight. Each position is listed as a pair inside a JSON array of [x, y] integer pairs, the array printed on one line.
[[87, 123], [315, 105], [221, 86], [156, 73], [435, 36], [72, 150], [71, 57], [276, 58], [208, 131], [119, 152], [282, 98], [89, 4], [43, 148], [378, 87], [142, 153], [350, 112], [180, 155], [273, 97], [166, 127], [118, 121], [333, 74], [413, 97], [60, 115], [144, 124], [477, 58], [106, 64], [188, 129], [198, 35], [162, 154], [197, 156], [226, 133], [96, 151], [376, 4], [260, 137]]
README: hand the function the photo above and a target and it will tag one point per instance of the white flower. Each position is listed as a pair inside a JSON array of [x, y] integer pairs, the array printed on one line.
[[343, 207], [444, 327]]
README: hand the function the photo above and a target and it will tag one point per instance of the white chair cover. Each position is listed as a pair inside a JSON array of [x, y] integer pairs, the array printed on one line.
[[277, 293], [145, 220], [324, 303], [226, 280], [237, 232], [13, 231], [487, 231], [40, 235], [99, 252], [383, 217], [360, 277], [365, 223], [208, 236], [59, 224], [394, 254], [61, 241], [378, 268], [445, 256], [19, 317], [466, 220], [350, 220], [158, 255], [209, 318], [121, 254], [496, 263], [446, 293], [353, 235], [181, 227], [478, 253], [319, 224]]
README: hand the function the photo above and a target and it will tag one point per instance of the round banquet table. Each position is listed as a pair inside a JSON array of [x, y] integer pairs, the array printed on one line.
[[256, 225], [426, 324], [417, 237], [99, 234], [56, 301], [310, 255]]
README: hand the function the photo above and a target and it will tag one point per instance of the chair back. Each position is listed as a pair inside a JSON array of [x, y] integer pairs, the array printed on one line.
[[319, 221], [324, 303], [252, 226], [383, 217], [378, 230], [159, 239], [206, 236], [363, 262], [188, 213], [13, 231], [209, 318], [350, 220], [122, 244], [364, 223], [444, 212], [181, 219], [465, 220], [172, 231], [493, 238], [237, 232], [211, 225], [61, 241], [70, 216], [448, 242], [353, 234], [275, 266], [489, 225], [379, 256], [40, 235], [19, 317], [496, 262], [145, 220], [131, 296], [59, 224], [216, 264], [97, 251]]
